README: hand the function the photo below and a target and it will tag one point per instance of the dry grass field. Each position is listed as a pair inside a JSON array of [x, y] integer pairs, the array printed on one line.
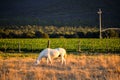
[[78, 67]]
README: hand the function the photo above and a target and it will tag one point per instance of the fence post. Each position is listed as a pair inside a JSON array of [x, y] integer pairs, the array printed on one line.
[[19, 50], [48, 45], [79, 49]]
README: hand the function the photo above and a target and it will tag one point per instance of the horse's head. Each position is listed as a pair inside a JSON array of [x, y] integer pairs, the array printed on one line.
[[37, 62]]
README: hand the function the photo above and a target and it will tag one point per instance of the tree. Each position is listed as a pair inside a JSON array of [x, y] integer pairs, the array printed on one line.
[[39, 34], [113, 34]]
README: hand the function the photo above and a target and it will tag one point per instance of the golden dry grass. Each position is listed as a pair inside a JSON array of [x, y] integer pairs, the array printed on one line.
[[100, 67]]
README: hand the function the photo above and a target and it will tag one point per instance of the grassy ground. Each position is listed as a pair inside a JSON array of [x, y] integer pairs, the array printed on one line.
[[78, 67]]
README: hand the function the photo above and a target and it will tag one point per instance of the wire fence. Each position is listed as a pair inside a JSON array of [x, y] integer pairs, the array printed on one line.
[[71, 45]]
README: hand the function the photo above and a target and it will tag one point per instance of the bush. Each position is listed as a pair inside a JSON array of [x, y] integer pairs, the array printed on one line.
[[39, 34], [111, 34]]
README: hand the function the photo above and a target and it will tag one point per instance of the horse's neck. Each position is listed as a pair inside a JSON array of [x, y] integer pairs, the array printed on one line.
[[43, 54], [39, 58]]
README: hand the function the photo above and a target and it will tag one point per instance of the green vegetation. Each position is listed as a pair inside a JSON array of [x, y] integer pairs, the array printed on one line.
[[54, 32], [71, 45]]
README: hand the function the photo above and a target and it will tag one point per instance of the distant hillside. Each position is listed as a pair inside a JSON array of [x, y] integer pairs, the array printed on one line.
[[59, 12]]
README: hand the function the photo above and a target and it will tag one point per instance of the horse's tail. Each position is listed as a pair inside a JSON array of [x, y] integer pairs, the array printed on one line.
[[65, 55]]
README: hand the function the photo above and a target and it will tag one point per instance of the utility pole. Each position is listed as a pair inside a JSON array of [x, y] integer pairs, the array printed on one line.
[[100, 23]]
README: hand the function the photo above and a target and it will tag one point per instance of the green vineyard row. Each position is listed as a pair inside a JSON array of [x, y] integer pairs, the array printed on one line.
[[71, 45]]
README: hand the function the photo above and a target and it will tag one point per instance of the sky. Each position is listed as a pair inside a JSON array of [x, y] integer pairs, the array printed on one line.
[[59, 12]]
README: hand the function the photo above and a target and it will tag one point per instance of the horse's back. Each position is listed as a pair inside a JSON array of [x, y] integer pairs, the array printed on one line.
[[54, 53], [44, 53], [62, 51]]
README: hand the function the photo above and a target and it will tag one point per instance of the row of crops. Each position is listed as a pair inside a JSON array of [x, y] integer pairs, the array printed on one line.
[[71, 45]]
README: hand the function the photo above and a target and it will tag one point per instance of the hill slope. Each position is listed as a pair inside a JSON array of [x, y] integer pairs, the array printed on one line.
[[59, 12]]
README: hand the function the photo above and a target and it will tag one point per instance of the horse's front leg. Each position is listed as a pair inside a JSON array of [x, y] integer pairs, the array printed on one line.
[[49, 60]]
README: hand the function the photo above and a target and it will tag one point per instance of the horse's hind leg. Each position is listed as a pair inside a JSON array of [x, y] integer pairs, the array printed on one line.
[[63, 60]]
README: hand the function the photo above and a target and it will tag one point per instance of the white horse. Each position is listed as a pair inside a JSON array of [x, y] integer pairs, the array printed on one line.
[[62, 54], [50, 54]]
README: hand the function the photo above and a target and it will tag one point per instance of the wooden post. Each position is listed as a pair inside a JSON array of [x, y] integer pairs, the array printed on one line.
[[79, 49], [48, 45]]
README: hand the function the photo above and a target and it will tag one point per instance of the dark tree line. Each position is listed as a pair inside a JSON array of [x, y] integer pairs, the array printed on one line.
[[54, 32]]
